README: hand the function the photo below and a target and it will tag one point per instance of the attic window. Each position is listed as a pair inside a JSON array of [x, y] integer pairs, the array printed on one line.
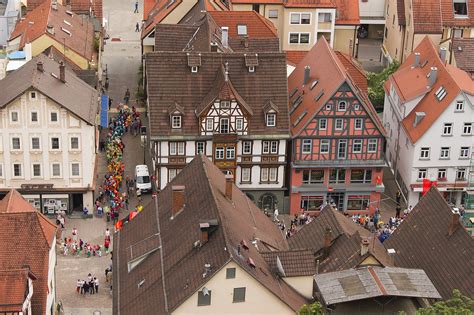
[[135, 262], [176, 121], [318, 97], [194, 69], [460, 7], [252, 69], [300, 117], [293, 92], [441, 93], [315, 82], [242, 30], [66, 31], [66, 22]]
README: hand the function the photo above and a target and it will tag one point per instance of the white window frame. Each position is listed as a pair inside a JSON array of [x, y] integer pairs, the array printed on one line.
[[35, 97], [442, 173], [461, 171], [72, 170], [224, 105], [17, 121], [39, 143], [374, 143], [51, 143], [203, 144], [209, 124], [220, 152], [467, 129], [230, 153], [300, 14], [19, 143], [246, 174], [33, 170], [273, 174], [336, 127], [181, 148], [37, 117], [356, 122], [194, 69], [324, 146], [52, 170], [459, 106], [244, 149], [448, 127], [357, 142], [271, 119], [328, 107], [321, 125], [464, 153], [444, 153], [356, 107], [341, 109], [51, 117], [422, 171], [308, 143], [239, 124], [273, 147], [176, 121], [78, 143], [172, 173], [242, 30], [13, 170], [221, 124], [425, 153], [266, 147], [299, 38], [273, 16], [251, 69]]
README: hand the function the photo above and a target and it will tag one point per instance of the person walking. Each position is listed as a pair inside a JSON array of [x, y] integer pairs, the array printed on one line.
[[107, 234], [137, 27], [139, 195], [398, 210], [127, 96], [136, 7], [74, 234], [78, 285], [96, 285]]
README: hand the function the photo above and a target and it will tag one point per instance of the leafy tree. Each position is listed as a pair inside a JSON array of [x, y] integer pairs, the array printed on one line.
[[376, 81], [312, 309], [458, 304]]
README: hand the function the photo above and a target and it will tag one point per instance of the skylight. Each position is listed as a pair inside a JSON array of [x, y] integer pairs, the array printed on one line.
[[441, 93], [66, 22], [300, 117], [242, 30], [315, 82], [66, 31]]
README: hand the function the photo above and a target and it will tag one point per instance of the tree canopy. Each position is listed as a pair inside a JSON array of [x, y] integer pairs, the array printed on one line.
[[376, 81], [312, 309], [458, 304]]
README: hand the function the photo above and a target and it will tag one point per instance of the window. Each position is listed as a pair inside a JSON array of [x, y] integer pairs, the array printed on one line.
[[242, 30], [425, 153], [323, 123], [17, 170], [230, 273], [386, 32], [75, 169], [176, 148], [341, 106], [239, 295], [372, 146], [324, 146], [358, 202], [357, 146], [324, 17], [239, 124], [307, 146], [460, 7], [421, 173], [268, 174], [53, 117], [36, 170], [444, 154], [74, 143], [270, 147], [313, 176], [219, 153], [54, 143], [273, 14], [311, 203], [361, 176], [224, 125], [200, 147], [467, 129], [251, 69], [442, 174], [56, 169], [16, 143], [447, 129], [204, 297], [337, 176], [246, 174], [225, 104], [247, 147], [209, 124], [459, 106], [35, 143], [172, 173], [358, 124], [14, 116], [34, 116], [176, 122], [1, 170], [299, 38], [461, 174], [339, 124], [464, 153], [271, 120], [256, 7], [32, 95], [230, 153], [328, 107], [341, 149], [194, 69], [300, 18]]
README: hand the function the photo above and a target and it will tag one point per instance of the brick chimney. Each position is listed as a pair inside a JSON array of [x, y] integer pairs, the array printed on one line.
[[39, 66], [364, 246], [177, 199], [62, 72], [229, 180], [204, 227], [454, 222]]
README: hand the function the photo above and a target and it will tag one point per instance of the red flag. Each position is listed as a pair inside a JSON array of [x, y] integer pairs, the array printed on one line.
[[426, 185]]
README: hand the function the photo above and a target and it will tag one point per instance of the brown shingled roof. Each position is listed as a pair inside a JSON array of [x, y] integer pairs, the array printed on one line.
[[205, 201], [295, 263], [463, 49], [422, 241], [257, 25]]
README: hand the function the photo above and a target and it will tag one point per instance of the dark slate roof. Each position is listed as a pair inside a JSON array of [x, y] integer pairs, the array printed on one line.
[[205, 201], [294, 262], [170, 81], [75, 95], [463, 49], [346, 238], [422, 241]]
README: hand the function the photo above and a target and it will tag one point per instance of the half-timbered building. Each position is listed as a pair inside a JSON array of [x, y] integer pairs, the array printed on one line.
[[212, 91], [337, 138]]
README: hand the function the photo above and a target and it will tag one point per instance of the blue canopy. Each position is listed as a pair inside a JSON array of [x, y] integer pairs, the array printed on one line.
[[104, 105], [16, 55]]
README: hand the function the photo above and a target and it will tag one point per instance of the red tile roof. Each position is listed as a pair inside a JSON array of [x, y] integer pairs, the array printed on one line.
[[347, 12], [355, 70], [87, 6], [328, 69], [160, 10], [427, 17], [26, 238], [14, 202], [447, 13], [35, 25], [14, 289], [294, 57], [293, 3], [257, 25], [410, 83]]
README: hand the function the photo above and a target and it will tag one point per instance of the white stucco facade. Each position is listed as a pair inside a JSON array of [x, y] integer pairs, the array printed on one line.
[[51, 297]]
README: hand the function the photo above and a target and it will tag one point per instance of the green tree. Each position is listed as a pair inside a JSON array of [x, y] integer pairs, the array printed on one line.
[[312, 309], [458, 304], [376, 81]]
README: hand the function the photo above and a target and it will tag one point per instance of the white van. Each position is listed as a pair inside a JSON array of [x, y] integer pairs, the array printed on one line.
[[142, 178]]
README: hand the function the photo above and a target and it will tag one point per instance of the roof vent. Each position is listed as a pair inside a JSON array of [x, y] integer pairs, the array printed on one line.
[[251, 262], [300, 117], [54, 5], [416, 61], [433, 75], [293, 92], [418, 118], [69, 13], [141, 283], [318, 97], [66, 31], [50, 29], [244, 244], [315, 82], [39, 66], [207, 270], [440, 93], [442, 54], [307, 74], [459, 48]]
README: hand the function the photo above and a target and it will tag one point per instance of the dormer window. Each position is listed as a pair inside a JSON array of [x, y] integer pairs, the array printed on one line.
[[271, 111], [194, 69], [271, 120], [460, 7], [252, 69], [225, 104], [176, 121]]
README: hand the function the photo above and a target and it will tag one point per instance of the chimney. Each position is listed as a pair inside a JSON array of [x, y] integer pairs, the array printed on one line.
[[416, 61], [364, 246], [307, 72], [225, 36], [229, 180], [213, 47], [62, 72], [442, 54], [39, 66], [204, 227], [433, 76], [50, 29], [54, 5], [391, 254], [177, 199], [454, 222]]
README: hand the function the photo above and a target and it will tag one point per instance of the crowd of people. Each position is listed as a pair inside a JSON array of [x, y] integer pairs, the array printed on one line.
[[89, 286], [76, 246]]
